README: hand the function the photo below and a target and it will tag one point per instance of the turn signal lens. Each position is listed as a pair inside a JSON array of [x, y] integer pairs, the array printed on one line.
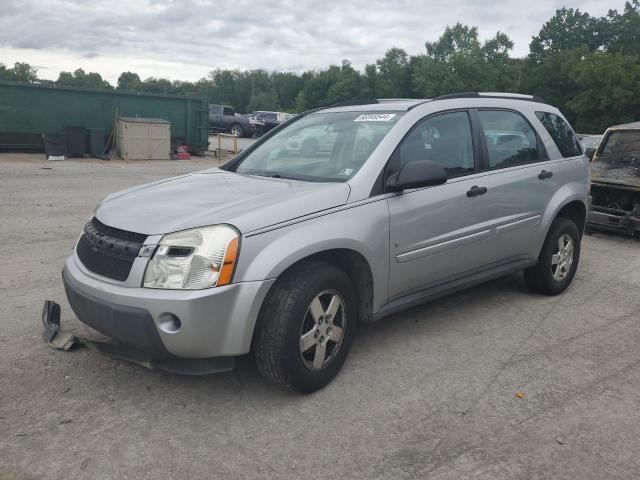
[[229, 263]]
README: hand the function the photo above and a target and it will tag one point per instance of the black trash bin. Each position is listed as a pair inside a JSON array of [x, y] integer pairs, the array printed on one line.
[[55, 144], [96, 141], [76, 141]]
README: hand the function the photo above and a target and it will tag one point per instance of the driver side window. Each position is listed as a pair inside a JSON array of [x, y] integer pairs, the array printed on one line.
[[444, 139]]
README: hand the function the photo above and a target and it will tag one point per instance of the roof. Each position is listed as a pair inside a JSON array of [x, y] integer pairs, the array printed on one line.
[[626, 126], [407, 104], [143, 120]]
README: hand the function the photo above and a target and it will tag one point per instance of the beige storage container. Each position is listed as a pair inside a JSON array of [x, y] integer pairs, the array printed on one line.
[[144, 138]]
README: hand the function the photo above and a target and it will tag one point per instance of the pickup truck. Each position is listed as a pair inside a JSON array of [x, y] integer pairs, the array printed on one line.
[[224, 119]]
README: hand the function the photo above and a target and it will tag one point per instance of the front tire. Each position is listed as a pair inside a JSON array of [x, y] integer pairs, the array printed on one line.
[[306, 327], [558, 260]]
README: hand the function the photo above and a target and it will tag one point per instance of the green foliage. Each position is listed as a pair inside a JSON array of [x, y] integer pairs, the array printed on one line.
[[588, 67], [80, 78], [129, 81], [458, 62], [622, 30], [607, 92], [21, 72], [566, 30]]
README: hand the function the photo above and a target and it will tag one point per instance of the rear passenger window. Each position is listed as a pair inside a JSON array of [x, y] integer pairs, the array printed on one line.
[[510, 139], [561, 133], [444, 139]]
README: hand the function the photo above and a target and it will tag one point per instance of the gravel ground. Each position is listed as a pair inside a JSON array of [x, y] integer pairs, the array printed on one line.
[[428, 393]]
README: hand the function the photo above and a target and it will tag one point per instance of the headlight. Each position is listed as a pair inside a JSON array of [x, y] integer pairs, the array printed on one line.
[[194, 259]]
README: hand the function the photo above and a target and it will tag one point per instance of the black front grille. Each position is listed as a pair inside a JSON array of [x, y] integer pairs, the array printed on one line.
[[108, 251]]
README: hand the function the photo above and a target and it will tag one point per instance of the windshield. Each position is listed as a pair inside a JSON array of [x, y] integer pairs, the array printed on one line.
[[320, 147], [619, 159], [623, 147]]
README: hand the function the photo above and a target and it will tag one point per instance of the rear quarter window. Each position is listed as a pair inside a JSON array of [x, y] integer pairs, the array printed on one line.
[[561, 133]]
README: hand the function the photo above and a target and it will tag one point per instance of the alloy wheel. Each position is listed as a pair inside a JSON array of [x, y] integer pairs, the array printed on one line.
[[322, 330], [562, 258]]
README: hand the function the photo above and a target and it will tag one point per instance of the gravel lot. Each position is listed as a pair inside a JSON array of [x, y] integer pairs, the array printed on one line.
[[428, 393]]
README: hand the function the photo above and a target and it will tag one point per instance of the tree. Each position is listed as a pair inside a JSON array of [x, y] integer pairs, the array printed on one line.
[[262, 101], [622, 30], [129, 81], [21, 72], [393, 75], [157, 85], [458, 62], [606, 90], [5, 73], [286, 86], [79, 78], [568, 29]]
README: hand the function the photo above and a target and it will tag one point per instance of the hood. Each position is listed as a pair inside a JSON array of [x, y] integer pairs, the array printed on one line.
[[216, 196]]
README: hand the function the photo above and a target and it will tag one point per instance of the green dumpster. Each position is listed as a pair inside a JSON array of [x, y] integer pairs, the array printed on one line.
[[96, 141], [27, 111]]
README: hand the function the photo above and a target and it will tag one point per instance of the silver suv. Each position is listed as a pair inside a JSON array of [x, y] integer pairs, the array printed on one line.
[[283, 251]]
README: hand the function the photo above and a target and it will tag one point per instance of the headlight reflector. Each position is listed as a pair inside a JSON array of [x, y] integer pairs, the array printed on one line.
[[194, 259]]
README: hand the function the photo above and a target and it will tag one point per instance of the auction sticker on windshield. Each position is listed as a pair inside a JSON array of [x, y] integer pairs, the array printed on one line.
[[375, 117]]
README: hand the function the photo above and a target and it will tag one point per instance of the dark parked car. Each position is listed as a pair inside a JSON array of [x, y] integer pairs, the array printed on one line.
[[261, 122], [224, 119]]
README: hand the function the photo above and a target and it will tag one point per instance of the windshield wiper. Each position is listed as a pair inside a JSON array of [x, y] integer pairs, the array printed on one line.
[[266, 173]]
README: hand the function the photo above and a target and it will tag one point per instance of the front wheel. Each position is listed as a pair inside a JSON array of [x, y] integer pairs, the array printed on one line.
[[558, 260], [306, 327]]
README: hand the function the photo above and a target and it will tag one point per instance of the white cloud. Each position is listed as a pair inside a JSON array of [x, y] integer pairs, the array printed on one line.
[[186, 39]]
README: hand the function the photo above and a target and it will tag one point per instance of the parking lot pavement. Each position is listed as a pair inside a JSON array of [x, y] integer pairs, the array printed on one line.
[[428, 393]]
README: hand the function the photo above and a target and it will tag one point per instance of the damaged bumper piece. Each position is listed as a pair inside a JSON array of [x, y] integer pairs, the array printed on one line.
[[614, 220], [615, 207], [56, 338]]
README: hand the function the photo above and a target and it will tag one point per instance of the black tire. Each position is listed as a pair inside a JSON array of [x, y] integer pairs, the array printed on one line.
[[540, 278], [277, 339], [238, 128], [309, 148]]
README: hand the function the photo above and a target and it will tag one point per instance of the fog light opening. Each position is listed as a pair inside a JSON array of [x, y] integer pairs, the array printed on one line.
[[169, 323]]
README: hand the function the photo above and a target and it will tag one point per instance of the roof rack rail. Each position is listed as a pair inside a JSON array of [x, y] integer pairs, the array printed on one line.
[[391, 100], [348, 103], [506, 95]]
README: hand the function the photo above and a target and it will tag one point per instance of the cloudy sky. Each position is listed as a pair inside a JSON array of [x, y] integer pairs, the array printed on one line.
[[185, 39]]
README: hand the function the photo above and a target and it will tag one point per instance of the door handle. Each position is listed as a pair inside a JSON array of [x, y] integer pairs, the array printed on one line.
[[475, 191], [543, 175]]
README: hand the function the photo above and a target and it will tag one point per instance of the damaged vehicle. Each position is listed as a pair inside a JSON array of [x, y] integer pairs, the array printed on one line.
[[283, 251], [615, 180]]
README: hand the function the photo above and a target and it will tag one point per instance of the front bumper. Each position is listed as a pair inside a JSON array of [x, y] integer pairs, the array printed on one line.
[[613, 220], [216, 322]]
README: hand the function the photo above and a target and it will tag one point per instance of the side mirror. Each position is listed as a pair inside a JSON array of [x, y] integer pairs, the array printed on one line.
[[589, 153], [416, 174]]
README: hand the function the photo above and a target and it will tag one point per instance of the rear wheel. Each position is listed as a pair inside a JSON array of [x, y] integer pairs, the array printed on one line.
[[236, 130], [558, 259], [306, 327]]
